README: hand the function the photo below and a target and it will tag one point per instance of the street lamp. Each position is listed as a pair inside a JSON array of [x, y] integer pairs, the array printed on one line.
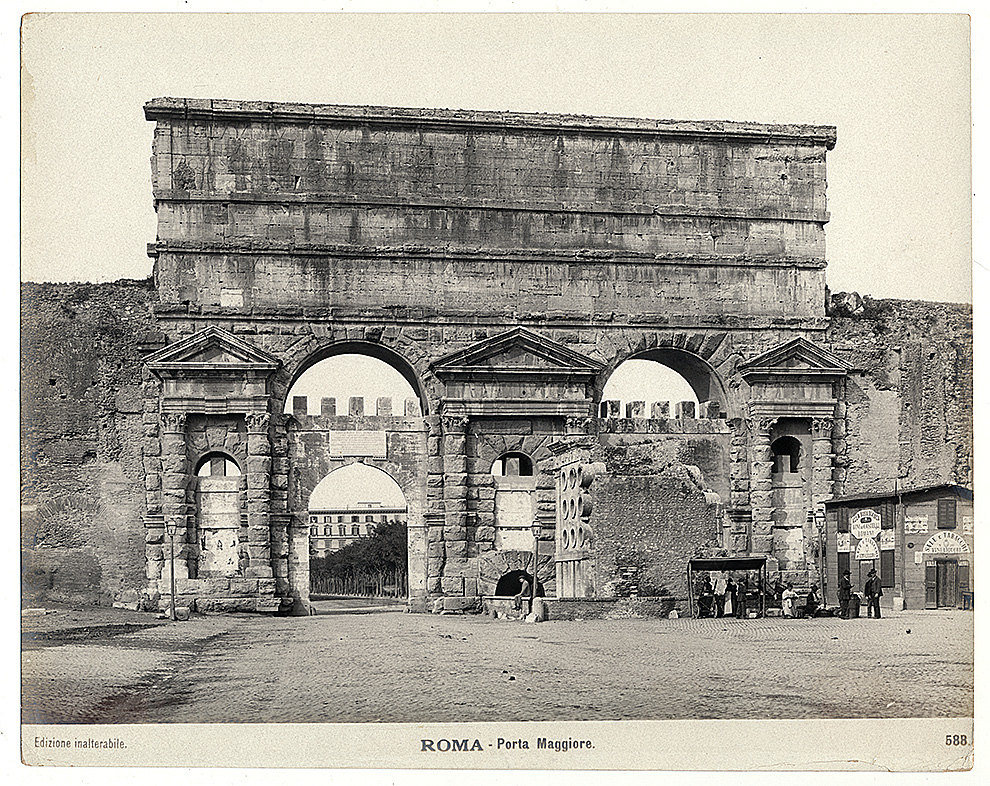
[[820, 527], [536, 529], [171, 525]]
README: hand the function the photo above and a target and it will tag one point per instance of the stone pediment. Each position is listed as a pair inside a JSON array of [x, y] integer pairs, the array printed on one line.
[[798, 357], [211, 352], [520, 353]]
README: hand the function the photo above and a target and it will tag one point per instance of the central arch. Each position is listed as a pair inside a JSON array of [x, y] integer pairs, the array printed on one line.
[[358, 536]]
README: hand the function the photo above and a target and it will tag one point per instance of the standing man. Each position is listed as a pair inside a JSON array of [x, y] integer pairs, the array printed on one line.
[[740, 600], [720, 586], [845, 595], [873, 592]]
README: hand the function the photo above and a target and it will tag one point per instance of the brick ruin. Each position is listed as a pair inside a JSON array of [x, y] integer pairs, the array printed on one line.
[[505, 265]]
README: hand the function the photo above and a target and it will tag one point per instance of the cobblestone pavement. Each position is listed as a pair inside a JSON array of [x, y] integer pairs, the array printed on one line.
[[396, 667]]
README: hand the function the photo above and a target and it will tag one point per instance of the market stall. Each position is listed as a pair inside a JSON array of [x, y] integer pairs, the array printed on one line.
[[729, 564]]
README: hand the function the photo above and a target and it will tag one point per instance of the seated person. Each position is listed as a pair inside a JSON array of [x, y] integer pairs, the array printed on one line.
[[813, 602]]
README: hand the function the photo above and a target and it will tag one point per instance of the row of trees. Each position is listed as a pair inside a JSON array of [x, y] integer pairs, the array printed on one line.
[[373, 565]]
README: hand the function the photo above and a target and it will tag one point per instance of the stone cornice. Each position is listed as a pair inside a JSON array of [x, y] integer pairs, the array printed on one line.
[[407, 203], [215, 110], [416, 316], [475, 254]]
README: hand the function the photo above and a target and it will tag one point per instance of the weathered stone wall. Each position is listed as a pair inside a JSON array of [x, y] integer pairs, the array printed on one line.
[[82, 479], [326, 207], [650, 516], [909, 403]]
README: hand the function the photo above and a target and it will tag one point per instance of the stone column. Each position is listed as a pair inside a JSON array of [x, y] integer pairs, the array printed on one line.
[[175, 492], [739, 513], [761, 485], [822, 458], [433, 516], [280, 498], [455, 574], [259, 497]]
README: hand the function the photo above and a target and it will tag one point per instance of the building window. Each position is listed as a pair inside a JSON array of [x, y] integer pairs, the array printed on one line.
[[355, 518], [326, 519], [326, 530], [342, 530], [355, 530], [339, 519], [947, 514], [312, 519], [887, 568], [886, 510], [843, 525], [313, 531], [369, 518]]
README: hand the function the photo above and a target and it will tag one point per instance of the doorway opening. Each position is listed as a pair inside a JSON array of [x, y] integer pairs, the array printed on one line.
[[357, 535]]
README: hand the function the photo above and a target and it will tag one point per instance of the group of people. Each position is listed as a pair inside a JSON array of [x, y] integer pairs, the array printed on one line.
[[872, 590], [725, 598]]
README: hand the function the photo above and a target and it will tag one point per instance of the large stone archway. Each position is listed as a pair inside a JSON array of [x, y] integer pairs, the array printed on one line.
[[506, 304]]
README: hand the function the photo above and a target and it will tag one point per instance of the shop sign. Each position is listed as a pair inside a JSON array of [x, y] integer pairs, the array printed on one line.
[[946, 543], [887, 539], [865, 524], [843, 544], [913, 524], [867, 549], [968, 525], [918, 557]]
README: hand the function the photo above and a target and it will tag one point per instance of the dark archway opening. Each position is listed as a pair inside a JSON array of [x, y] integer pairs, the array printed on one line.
[[510, 584], [786, 454]]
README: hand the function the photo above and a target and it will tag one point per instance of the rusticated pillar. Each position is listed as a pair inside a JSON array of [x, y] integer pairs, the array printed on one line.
[[761, 485], [175, 491], [259, 468], [455, 569], [823, 458]]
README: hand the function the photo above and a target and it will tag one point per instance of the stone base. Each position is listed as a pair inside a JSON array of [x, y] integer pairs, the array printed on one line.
[[227, 605]]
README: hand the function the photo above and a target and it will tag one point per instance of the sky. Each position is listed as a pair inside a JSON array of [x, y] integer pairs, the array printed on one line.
[[896, 88]]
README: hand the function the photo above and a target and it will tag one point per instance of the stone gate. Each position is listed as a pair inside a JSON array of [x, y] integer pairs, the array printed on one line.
[[505, 264]]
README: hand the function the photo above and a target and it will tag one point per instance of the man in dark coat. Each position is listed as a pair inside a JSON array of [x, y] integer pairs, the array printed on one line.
[[741, 589], [873, 592], [845, 595]]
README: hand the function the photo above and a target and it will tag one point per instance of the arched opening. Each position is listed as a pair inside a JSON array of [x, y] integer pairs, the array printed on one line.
[[217, 464], [510, 584], [786, 454], [664, 377], [512, 464], [358, 538], [381, 379]]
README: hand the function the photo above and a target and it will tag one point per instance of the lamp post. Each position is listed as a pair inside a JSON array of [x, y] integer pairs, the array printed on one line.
[[171, 525], [820, 527], [536, 529]]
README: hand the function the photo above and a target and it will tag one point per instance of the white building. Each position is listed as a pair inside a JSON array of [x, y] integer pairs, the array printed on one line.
[[330, 529]]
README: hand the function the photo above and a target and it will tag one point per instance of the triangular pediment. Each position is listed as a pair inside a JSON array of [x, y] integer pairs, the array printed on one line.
[[517, 351], [797, 356], [211, 350]]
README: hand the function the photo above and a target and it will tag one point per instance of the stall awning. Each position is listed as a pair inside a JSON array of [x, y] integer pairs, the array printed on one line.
[[727, 563]]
